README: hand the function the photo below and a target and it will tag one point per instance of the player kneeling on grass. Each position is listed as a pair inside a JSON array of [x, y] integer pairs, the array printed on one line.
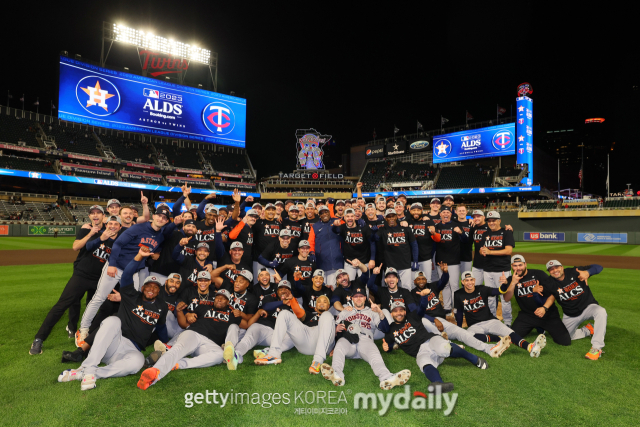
[[314, 337], [473, 302], [573, 293], [359, 325], [429, 349], [203, 340], [120, 339], [532, 292]]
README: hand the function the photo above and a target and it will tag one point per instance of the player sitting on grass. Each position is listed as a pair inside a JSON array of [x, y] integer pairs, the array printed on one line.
[[203, 340], [120, 339], [429, 349], [573, 293], [472, 302]]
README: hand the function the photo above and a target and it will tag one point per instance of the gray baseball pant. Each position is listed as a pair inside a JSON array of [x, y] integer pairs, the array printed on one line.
[[366, 350], [454, 332], [452, 286], [599, 316], [330, 279], [352, 271], [259, 334], [313, 341], [109, 347], [492, 280], [478, 274], [105, 286], [405, 277], [434, 273], [466, 266], [492, 326], [425, 267], [433, 352], [173, 329], [204, 353]]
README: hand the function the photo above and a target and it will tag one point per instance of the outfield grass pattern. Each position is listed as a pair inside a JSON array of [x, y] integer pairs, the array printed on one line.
[[579, 248], [559, 388], [20, 243]]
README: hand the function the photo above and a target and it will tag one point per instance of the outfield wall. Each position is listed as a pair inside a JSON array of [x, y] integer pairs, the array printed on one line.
[[26, 230], [571, 227]]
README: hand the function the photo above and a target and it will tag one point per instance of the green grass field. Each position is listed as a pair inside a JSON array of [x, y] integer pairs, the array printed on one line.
[[559, 388], [17, 243]]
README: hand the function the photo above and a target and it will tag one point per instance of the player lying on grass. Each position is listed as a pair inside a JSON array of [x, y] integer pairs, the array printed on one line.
[[203, 340], [314, 337], [428, 348], [121, 339], [434, 315], [472, 302], [571, 290], [358, 326], [532, 291]]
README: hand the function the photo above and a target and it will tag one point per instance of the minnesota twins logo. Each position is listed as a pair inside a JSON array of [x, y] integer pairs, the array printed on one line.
[[443, 148], [503, 140], [218, 118], [98, 96]]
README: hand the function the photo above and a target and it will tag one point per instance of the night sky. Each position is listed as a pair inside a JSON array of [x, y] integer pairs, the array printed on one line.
[[345, 72]]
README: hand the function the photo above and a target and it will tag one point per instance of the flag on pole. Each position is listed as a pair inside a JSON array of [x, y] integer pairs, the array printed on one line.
[[419, 125], [580, 176], [374, 134], [469, 116], [36, 103], [501, 110], [395, 129], [443, 120]]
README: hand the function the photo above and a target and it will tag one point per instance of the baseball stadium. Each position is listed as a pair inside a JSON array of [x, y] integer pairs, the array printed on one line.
[[158, 267]]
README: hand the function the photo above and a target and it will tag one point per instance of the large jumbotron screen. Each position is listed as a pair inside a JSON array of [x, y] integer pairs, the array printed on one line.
[[118, 100], [474, 144]]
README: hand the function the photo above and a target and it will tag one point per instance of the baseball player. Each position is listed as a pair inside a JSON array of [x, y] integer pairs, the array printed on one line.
[[149, 235], [190, 266], [293, 224], [326, 247], [299, 268], [312, 339], [266, 232], [166, 264], [338, 207], [448, 203], [400, 247], [230, 263], [423, 228], [496, 246], [265, 287], [387, 295], [243, 233], [243, 303], [277, 252], [203, 340], [471, 301], [343, 292], [120, 339], [381, 205], [359, 325], [310, 294], [466, 247], [571, 290], [536, 310], [310, 218], [434, 215], [357, 243], [94, 246], [478, 229], [428, 348]]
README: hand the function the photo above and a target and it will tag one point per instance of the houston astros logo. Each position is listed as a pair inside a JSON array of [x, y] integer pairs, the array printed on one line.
[[503, 140], [218, 118], [98, 96], [443, 148]]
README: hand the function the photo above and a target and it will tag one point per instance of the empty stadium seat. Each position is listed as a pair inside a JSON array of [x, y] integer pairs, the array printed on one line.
[[13, 130], [463, 177]]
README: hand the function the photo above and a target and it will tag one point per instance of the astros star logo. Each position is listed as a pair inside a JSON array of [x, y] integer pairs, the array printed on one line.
[[519, 285], [521, 108], [97, 96], [560, 290], [139, 307], [442, 148], [521, 138], [395, 333], [465, 302]]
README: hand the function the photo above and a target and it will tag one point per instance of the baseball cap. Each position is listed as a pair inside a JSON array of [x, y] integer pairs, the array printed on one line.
[[323, 208], [113, 202], [211, 209], [310, 205], [477, 212], [289, 201], [246, 274], [293, 208], [174, 276], [349, 211], [399, 203], [389, 271], [339, 202], [225, 293], [163, 211], [189, 222], [253, 212], [359, 291], [402, 195], [417, 205], [517, 258], [163, 204], [223, 208], [353, 200], [389, 212], [204, 275], [493, 215], [434, 200], [270, 206], [397, 304], [133, 208], [553, 263], [319, 272], [390, 198], [370, 206], [466, 275], [279, 202], [379, 197], [152, 279], [419, 273], [98, 207], [115, 218], [235, 245], [448, 196], [303, 243], [285, 232], [256, 205], [445, 208], [341, 271], [203, 245], [284, 283]]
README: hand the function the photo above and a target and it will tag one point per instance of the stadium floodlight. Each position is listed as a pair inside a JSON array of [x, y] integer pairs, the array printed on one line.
[[148, 40]]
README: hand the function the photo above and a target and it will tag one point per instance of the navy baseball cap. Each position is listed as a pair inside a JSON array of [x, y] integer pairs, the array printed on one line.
[[189, 222], [163, 211], [359, 291]]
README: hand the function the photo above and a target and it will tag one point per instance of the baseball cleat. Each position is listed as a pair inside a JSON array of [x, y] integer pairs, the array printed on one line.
[[230, 356], [498, 349], [444, 387], [537, 345], [81, 335], [69, 332], [589, 326], [329, 374], [148, 378], [398, 379], [482, 364], [36, 347], [78, 355], [161, 347], [88, 382], [151, 359], [594, 354], [268, 360], [175, 368], [259, 354], [314, 368], [70, 375]]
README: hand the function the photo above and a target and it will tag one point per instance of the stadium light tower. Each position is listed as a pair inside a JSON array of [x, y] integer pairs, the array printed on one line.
[[150, 44]]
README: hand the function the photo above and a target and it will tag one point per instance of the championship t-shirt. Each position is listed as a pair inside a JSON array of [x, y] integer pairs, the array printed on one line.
[[246, 302], [423, 237], [265, 233], [213, 323], [466, 248], [449, 244], [409, 334], [474, 305], [295, 264], [396, 242], [495, 241], [434, 306], [275, 252], [572, 294], [139, 317], [523, 292], [356, 242], [477, 231]]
